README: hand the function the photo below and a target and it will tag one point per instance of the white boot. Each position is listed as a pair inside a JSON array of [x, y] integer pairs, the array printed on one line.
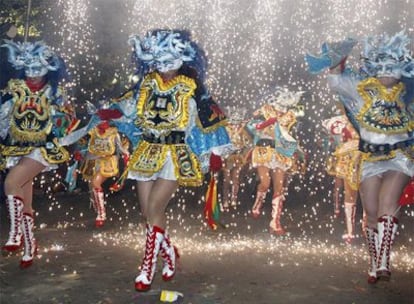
[[99, 206], [30, 246], [15, 208], [350, 210], [257, 207], [277, 208], [170, 256], [155, 236], [371, 236], [387, 229]]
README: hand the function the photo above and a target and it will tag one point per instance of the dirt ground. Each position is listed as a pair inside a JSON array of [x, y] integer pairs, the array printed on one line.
[[238, 263]]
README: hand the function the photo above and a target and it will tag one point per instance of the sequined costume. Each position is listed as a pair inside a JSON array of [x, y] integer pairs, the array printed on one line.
[[36, 120], [174, 143], [102, 155], [345, 160], [274, 145], [384, 121]]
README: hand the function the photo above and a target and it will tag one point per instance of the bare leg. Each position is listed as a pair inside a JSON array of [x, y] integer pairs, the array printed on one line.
[[154, 197], [262, 189], [392, 187], [19, 181]]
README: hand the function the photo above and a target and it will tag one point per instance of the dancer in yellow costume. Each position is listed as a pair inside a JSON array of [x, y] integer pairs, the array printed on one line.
[[276, 153], [100, 162], [233, 164], [344, 164]]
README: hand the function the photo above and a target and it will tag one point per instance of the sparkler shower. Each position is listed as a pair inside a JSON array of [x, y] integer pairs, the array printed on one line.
[[252, 47]]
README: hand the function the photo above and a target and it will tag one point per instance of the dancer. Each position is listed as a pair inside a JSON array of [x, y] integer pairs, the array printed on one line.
[[379, 105], [233, 164], [276, 152], [344, 165], [182, 131], [36, 113], [100, 160]]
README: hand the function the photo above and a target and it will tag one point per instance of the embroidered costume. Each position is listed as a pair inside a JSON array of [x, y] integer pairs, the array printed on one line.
[[167, 116], [275, 146], [36, 121]]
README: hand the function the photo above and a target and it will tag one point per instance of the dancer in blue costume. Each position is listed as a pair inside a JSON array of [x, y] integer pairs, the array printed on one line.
[[381, 106], [181, 135]]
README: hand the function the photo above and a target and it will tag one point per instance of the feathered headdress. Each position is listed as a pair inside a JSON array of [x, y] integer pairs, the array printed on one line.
[[330, 55], [37, 58], [283, 99], [383, 49], [163, 48]]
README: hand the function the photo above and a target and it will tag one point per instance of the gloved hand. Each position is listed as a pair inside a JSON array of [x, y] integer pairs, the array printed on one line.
[[125, 158], [266, 123], [77, 155], [107, 114], [216, 163]]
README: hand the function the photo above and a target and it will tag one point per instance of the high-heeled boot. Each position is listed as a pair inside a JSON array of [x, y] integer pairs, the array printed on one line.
[[277, 208], [350, 210], [387, 229], [170, 258], [371, 236], [99, 206], [154, 238], [15, 208], [257, 206], [30, 246]]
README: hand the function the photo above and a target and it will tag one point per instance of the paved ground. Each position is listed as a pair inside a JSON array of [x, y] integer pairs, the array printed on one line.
[[239, 264]]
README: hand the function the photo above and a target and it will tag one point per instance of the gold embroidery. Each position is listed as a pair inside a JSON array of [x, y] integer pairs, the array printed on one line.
[[383, 111], [164, 105], [102, 144]]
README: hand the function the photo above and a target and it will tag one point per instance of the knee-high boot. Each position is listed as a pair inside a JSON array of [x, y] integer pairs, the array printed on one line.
[[170, 256], [15, 208], [257, 207], [30, 246], [277, 208], [350, 210], [371, 236], [99, 206], [154, 238], [387, 229]]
